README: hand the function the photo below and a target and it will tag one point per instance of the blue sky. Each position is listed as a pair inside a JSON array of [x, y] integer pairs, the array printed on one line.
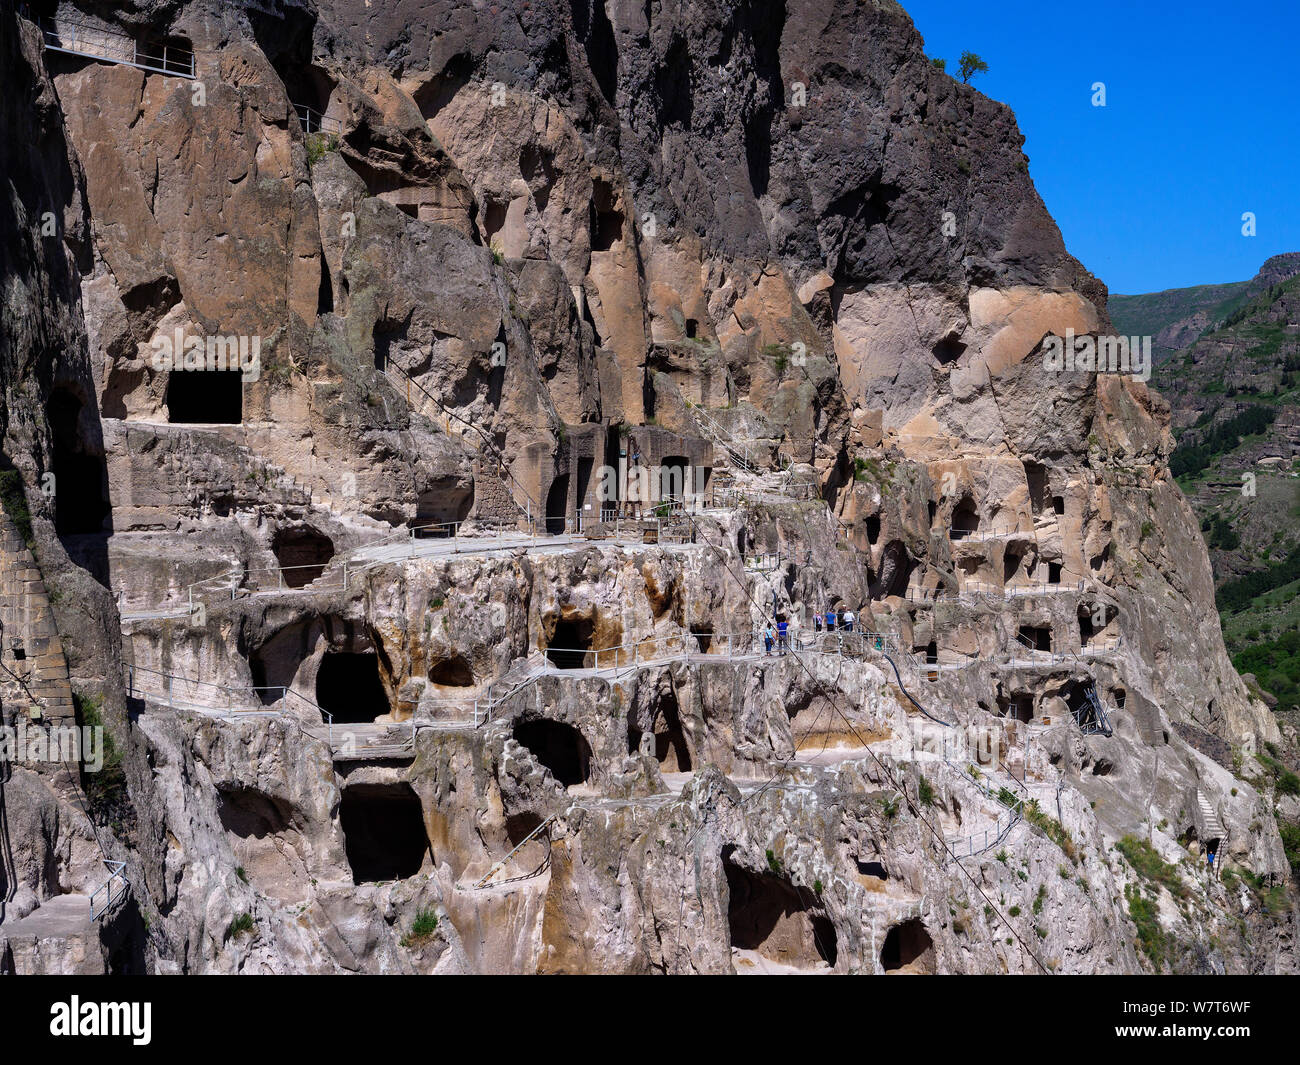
[[1201, 124]]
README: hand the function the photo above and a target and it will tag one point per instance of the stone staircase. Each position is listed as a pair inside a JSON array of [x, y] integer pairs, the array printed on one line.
[[1211, 826]]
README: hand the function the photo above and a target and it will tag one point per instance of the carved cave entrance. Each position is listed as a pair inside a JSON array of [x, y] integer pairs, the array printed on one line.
[[908, 948], [384, 835], [570, 643], [302, 552], [766, 914], [559, 747], [81, 502], [349, 688], [557, 505], [671, 750]]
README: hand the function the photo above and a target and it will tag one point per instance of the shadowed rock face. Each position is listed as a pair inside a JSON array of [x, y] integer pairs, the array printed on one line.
[[529, 240]]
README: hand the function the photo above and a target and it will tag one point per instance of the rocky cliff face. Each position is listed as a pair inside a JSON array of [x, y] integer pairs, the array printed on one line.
[[475, 262]]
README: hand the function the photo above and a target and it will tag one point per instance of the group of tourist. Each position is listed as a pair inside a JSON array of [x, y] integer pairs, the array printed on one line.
[[832, 620]]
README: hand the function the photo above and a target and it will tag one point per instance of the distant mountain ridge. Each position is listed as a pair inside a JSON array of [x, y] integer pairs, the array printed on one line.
[[1175, 318]]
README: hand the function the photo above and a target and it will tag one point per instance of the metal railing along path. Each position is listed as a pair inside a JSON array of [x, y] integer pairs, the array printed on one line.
[[111, 892], [312, 121], [82, 38]]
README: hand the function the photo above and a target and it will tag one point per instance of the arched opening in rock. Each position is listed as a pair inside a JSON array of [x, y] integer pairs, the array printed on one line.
[[673, 471], [1086, 629], [81, 500], [520, 826], [384, 835], [453, 672], [1094, 619], [965, 519], [1054, 571], [561, 748], [873, 529], [1076, 695], [1036, 637], [442, 505], [1010, 565], [704, 637], [1036, 479], [671, 749], [766, 914], [205, 397], [874, 869], [1017, 705], [932, 508], [1058, 504], [349, 688], [557, 505], [302, 552], [896, 567], [570, 643], [692, 327], [932, 653], [248, 813], [908, 948]]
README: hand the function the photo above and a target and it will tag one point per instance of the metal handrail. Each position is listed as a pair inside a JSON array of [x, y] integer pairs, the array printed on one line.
[[60, 34], [114, 889], [312, 121]]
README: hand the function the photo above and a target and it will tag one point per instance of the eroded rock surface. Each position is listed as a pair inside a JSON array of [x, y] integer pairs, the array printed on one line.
[[398, 686]]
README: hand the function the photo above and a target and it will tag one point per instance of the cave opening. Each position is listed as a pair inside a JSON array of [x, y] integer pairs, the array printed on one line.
[[1010, 566], [560, 747], [205, 397], [671, 750], [251, 814], [1086, 629], [896, 567], [442, 506], [703, 637], [1017, 705], [303, 552], [874, 869], [325, 293], [350, 689], [1036, 479], [81, 499], [768, 915], [557, 505], [1058, 504], [1054, 571], [384, 835], [948, 350], [908, 946], [965, 519], [873, 529], [570, 643], [453, 672], [1036, 637]]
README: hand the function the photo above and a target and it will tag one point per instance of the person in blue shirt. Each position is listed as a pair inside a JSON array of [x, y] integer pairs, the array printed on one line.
[[783, 635], [830, 620]]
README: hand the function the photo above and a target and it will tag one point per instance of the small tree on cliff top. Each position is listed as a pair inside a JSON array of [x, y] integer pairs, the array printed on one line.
[[971, 64]]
